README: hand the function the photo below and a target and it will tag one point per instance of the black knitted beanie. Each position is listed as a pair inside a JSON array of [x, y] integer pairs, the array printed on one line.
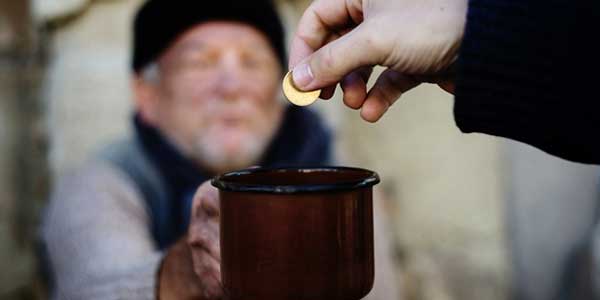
[[159, 22]]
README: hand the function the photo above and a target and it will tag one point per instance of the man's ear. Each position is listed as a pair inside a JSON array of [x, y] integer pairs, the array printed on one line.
[[145, 96]]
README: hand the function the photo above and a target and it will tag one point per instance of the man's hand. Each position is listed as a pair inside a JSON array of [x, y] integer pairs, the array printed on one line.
[[203, 240], [339, 41], [191, 269]]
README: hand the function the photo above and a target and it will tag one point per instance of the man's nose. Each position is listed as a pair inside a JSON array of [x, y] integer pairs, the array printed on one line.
[[230, 81]]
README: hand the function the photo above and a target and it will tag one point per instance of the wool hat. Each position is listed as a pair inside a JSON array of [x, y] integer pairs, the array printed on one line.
[[159, 22]]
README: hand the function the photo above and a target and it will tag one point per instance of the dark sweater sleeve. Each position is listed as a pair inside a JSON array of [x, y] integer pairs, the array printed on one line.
[[528, 71]]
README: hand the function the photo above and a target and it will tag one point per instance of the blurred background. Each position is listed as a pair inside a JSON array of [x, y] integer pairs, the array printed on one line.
[[472, 216]]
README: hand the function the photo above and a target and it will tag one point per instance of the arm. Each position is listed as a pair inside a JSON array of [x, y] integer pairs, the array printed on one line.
[[97, 238], [97, 235], [526, 71]]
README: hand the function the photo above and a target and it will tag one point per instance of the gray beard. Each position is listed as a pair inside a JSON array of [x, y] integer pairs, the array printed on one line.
[[211, 155], [213, 158], [208, 149]]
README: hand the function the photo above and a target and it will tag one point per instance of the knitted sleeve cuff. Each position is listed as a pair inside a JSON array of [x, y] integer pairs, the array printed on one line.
[[511, 77]]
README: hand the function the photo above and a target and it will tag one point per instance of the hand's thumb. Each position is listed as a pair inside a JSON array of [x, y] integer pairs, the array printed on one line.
[[206, 201], [329, 64]]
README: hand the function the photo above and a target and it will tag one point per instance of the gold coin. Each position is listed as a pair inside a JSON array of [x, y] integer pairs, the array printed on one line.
[[297, 96]]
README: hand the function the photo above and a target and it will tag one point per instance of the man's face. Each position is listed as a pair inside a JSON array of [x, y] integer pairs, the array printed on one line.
[[217, 95]]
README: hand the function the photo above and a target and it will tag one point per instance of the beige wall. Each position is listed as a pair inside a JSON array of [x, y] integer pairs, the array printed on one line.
[[447, 195], [87, 82]]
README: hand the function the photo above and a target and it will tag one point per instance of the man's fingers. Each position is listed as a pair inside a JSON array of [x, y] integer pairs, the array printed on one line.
[[327, 92], [206, 201], [335, 60], [447, 85], [354, 86], [208, 270], [355, 90], [205, 236], [387, 89], [322, 19], [204, 264], [365, 73]]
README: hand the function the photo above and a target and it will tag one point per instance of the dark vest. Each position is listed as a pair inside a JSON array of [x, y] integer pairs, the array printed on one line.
[[167, 180]]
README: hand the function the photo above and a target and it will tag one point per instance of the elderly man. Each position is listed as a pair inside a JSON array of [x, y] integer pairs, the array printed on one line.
[[206, 79]]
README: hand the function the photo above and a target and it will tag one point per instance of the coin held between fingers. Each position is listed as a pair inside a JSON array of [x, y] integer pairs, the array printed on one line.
[[297, 96]]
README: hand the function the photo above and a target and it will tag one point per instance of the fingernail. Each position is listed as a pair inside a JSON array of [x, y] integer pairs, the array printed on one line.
[[302, 75]]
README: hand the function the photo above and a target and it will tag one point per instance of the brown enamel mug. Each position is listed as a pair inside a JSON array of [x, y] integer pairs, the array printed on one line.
[[297, 233]]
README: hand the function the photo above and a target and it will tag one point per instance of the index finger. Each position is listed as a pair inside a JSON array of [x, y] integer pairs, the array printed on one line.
[[206, 201], [320, 20]]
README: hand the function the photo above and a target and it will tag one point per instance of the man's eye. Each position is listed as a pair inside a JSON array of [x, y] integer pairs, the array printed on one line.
[[204, 63], [252, 63], [200, 60]]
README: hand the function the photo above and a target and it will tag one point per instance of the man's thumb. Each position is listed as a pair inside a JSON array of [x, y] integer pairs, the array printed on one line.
[[329, 64]]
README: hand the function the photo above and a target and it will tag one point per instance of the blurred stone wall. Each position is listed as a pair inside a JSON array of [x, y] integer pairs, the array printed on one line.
[[86, 86], [23, 169]]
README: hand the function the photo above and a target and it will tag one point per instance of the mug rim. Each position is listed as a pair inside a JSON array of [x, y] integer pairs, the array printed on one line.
[[370, 179]]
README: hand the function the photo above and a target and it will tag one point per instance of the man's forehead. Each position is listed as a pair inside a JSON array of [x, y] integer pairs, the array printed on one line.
[[220, 33]]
